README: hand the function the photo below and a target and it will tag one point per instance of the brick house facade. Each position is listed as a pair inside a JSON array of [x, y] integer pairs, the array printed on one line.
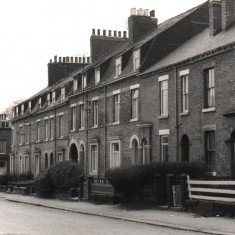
[[163, 94]]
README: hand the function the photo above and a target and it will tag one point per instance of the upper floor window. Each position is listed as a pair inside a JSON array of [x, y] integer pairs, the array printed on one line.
[[84, 81], [48, 99], [184, 89], [209, 81], [40, 102], [51, 133], [53, 97], [29, 105], [134, 103], [21, 135], [75, 84], [82, 116], [46, 129], [118, 66], [136, 59], [22, 109], [116, 108], [95, 113], [164, 97], [97, 76], [27, 133], [62, 93], [61, 123], [38, 130], [210, 147], [73, 118]]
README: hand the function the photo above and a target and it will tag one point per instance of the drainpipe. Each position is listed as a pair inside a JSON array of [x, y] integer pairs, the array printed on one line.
[[55, 133], [105, 129], [177, 125]]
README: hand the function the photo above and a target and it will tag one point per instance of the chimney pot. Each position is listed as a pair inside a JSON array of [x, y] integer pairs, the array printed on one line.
[[110, 33], [152, 13], [140, 12], [146, 12], [104, 32], [76, 59], [133, 11], [119, 34], [63, 59], [115, 33], [67, 59], [93, 31], [55, 58], [50, 60], [60, 59], [124, 34], [98, 32], [80, 59]]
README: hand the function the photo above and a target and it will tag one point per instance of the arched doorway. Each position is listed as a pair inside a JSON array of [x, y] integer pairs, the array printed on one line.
[[81, 155], [73, 153], [51, 159], [134, 157], [185, 148], [232, 142]]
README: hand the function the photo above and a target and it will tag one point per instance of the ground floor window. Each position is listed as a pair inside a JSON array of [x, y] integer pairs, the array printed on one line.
[[210, 148], [3, 167], [11, 164], [164, 148], [37, 164], [60, 157], [115, 154], [94, 158]]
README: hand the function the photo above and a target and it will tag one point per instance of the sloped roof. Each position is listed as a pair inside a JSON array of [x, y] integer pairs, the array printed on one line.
[[199, 44]]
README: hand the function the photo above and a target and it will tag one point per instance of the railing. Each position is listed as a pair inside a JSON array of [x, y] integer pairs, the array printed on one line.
[[212, 189]]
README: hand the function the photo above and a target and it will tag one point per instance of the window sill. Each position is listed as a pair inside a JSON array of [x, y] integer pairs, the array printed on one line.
[[51, 138], [94, 127], [72, 130], [134, 120], [116, 123], [37, 141], [184, 113], [93, 173], [61, 137], [82, 129], [46, 140], [209, 110], [163, 116]]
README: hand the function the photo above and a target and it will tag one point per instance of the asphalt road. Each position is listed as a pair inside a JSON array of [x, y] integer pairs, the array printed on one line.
[[22, 219]]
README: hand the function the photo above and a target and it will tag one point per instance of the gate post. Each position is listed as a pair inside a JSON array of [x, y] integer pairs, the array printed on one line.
[[184, 190], [158, 188], [169, 183]]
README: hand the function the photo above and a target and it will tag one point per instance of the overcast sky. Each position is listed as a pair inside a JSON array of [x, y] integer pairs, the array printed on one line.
[[33, 31]]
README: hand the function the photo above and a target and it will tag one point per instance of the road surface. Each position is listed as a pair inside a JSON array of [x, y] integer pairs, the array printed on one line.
[[22, 219]]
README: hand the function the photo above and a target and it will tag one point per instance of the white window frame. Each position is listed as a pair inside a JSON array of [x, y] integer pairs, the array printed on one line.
[[84, 81], [118, 66], [184, 82], [97, 75], [60, 156], [62, 93], [38, 130], [40, 102], [163, 145], [27, 133], [94, 155], [209, 84], [164, 97], [21, 135], [48, 99], [115, 163], [134, 104], [37, 164], [4, 147], [51, 130], [116, 113], [136, 59], [95, 113], [61, 124], [82, 116], [73, 118], [11, 164], [46, 128], [53, 97], [22, 109], [75, 84], [29, 105]]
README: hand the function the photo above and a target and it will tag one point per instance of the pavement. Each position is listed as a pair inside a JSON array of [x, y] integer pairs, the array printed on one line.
[[169, 218]]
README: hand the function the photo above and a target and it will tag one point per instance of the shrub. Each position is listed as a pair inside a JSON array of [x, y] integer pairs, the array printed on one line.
[[5, 179], [63, 175], [131, 180]]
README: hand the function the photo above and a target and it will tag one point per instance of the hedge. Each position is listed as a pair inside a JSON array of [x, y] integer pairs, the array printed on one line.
[[130, 180], [5, 179], [63, 175]]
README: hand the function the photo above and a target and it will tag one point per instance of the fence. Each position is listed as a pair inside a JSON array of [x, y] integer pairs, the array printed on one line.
[[220, 189]]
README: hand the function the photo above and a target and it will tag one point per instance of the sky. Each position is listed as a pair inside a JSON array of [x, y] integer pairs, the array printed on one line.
[[33, 31]]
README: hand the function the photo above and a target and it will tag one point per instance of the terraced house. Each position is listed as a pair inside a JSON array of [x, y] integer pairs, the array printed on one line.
[[165, 93]]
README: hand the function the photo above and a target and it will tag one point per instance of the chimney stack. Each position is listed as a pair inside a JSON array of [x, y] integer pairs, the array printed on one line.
[[228, 13], [140, 24], [215, 17]]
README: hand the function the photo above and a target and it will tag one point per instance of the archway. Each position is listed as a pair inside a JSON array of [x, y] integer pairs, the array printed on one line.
[[232, 143], [73, 153], [185, 148], [51, 159]]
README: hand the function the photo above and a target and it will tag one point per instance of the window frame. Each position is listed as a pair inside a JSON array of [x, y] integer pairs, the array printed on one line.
[[93, 169], [38, 129], [61, 123], [4, 147], [164, 109], [82, 116], [163, 145], [136, 59], [73, 118], [209, 88], [119, 152], [116, 109], [95, 113], [134, 103], [97, 75], [118, 66], [62, 96], [185, 93]]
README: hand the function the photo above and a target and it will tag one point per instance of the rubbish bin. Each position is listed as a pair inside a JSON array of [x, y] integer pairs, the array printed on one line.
[[176, 189]]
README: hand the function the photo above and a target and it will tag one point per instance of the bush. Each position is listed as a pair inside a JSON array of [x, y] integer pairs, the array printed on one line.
[[5, 179], [131, 180], [63, 175]]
